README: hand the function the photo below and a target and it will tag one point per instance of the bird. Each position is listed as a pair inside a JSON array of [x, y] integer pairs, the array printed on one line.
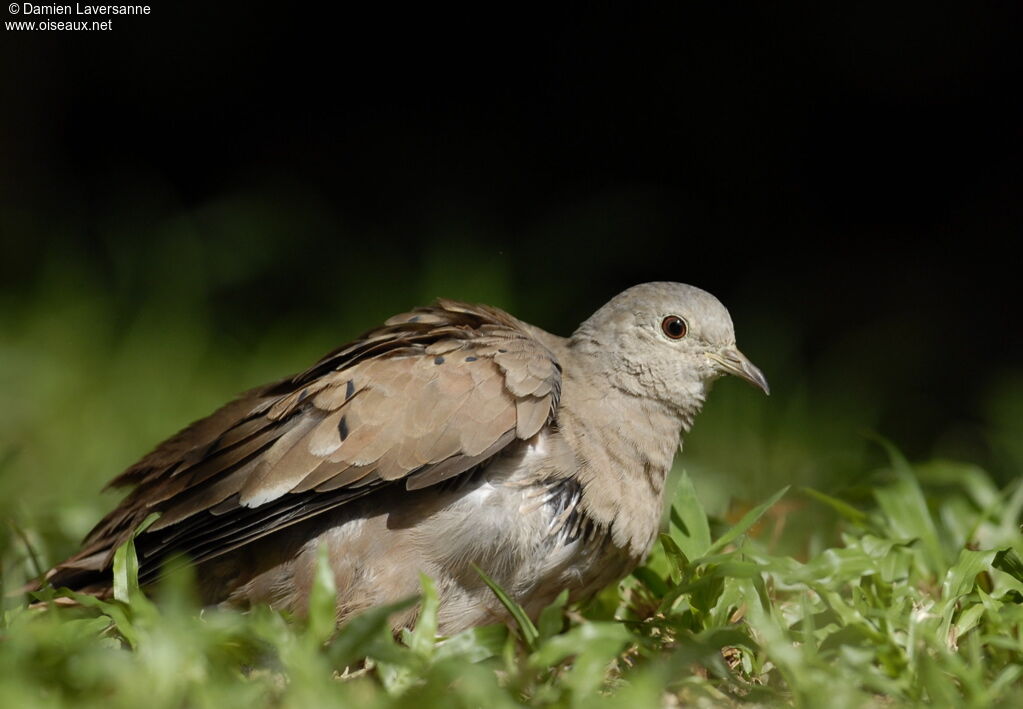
[[451, 439]]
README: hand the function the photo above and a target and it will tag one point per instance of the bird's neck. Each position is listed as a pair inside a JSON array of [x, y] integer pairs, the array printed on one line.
[[680, 399], [626, 444]]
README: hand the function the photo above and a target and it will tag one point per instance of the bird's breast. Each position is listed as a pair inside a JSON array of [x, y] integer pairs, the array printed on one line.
[[546, 542]]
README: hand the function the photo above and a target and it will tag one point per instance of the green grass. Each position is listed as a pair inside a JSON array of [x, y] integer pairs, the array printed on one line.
[[919, 600]]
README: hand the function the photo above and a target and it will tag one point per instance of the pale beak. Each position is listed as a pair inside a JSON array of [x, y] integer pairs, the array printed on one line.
[[732, 361]]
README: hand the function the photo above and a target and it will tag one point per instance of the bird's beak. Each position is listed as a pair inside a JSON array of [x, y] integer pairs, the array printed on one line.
[[732, 361]]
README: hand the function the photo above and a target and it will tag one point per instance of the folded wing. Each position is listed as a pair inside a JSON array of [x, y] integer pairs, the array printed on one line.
[[428, 396]]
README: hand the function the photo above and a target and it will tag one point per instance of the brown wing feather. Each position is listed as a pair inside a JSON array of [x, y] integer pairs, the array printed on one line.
[[429, 395]]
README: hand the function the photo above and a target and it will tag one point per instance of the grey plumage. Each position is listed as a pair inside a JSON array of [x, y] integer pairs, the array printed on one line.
[[450, 436]]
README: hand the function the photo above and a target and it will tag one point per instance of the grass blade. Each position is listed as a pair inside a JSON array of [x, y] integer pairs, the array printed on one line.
[[529, 632], [689, 521], [126, 565], [747, 521]]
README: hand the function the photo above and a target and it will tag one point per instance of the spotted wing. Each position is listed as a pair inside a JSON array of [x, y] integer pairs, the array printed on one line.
[[428, 396]]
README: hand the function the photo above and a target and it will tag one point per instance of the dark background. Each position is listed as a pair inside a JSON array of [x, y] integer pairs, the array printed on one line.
[[845, 179]]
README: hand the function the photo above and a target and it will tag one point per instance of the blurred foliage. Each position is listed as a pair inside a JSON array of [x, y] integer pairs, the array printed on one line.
[[920, 601]]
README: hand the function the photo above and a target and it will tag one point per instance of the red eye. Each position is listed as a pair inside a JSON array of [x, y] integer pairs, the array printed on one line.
[[674, 327]]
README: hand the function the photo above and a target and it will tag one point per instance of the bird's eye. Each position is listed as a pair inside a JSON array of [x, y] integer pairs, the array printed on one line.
[[674, 327]]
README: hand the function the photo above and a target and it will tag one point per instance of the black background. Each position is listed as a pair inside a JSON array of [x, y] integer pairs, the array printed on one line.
[[850, 173]]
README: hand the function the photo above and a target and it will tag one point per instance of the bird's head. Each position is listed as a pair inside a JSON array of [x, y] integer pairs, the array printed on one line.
[[669, 341]]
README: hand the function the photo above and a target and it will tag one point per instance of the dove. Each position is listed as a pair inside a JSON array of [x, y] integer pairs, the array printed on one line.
[[452, 438]]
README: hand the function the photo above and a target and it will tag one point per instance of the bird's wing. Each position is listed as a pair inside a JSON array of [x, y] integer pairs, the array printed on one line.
[[430, 395]]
